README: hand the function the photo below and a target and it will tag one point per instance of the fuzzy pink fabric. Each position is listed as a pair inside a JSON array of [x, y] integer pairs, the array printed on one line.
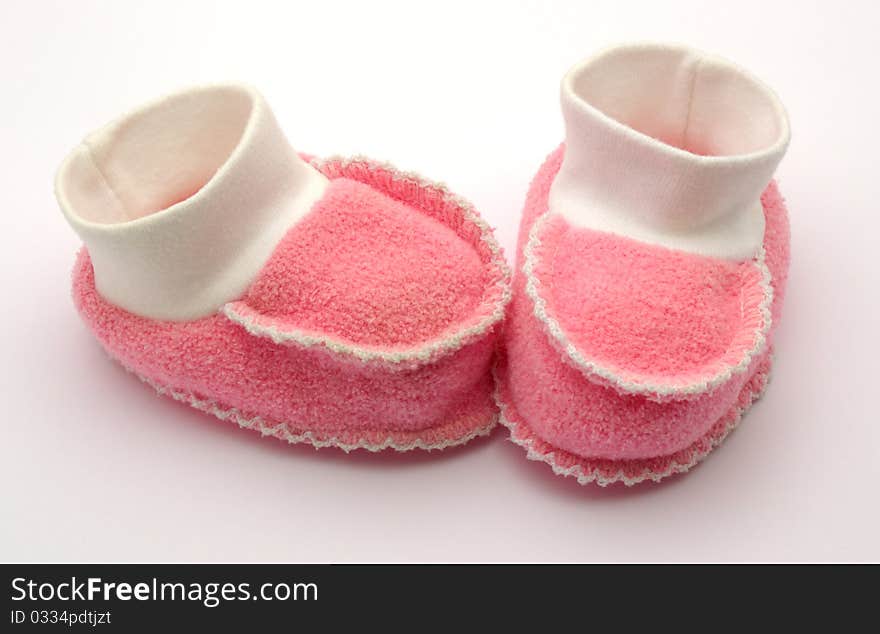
[[383, 262], [574, 416], [649, 315], [365, 269], [605, 471]]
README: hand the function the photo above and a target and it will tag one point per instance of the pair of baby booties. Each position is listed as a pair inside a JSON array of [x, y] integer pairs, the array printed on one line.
[[342, 302]]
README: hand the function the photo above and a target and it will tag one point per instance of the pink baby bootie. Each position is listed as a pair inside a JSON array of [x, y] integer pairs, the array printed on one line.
[[334, 302], [651, 267]]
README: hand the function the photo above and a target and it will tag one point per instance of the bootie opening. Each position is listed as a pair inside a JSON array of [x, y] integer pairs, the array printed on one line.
[[683, 98], [158, 156], [181, 202]]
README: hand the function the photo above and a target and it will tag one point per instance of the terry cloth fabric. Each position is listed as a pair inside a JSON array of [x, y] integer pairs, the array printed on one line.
[[370, 322], [638, 333]]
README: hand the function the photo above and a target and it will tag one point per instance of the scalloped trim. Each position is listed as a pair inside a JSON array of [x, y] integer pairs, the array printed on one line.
[[609, 376], [499, 293], [630, 472], [447, 435]]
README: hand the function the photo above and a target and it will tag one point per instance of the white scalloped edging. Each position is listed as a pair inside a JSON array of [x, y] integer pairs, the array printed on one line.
[[280, 431], [586, 477], [431, 350], [592, 368]]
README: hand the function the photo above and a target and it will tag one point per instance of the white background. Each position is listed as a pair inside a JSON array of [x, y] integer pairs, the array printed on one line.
[[94, 466]]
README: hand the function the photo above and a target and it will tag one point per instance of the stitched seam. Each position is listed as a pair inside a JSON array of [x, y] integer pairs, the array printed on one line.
[[690, 103], [91, 156], [279, 430]]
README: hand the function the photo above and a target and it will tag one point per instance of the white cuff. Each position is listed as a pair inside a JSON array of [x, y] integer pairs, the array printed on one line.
[[181, 202], [669, 146]]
